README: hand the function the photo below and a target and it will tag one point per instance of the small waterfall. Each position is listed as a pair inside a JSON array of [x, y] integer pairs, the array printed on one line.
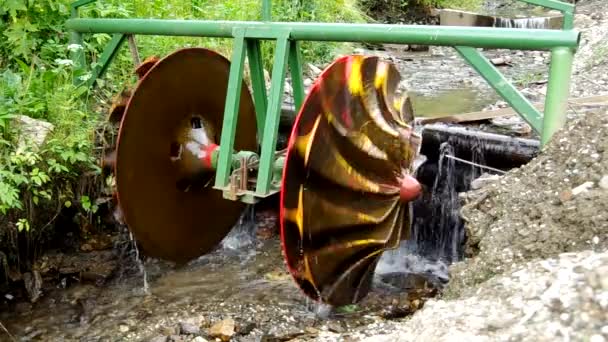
[[525, 23], [443, 241], [437, 234]]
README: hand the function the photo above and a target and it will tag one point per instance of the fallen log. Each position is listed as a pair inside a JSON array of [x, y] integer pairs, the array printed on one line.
[[497, 151]]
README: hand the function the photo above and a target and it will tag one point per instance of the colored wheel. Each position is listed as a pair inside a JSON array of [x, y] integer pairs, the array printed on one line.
[[347, 179]]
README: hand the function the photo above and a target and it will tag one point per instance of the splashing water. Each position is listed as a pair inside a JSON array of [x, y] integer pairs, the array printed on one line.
[[437, 235], [141, 266], [242, 235]]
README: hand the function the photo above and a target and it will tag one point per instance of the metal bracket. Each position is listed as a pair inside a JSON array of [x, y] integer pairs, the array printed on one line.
[[502, 86]]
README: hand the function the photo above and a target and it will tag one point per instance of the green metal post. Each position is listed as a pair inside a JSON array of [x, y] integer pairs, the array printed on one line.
[[502, 86], [558, 91], [553, 4], [266, 10], [109, 52], [295, 68], [77, 55], [231, 109], [271, 125], [258, 84], [564, 7]]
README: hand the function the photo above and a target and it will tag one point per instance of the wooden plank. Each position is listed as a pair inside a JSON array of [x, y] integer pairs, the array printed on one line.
[[490, 114]]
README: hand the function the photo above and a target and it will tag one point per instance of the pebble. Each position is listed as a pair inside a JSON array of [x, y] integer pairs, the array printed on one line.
[[604, 182], [123, 328], [597, 338], [159, 339], [582, 188], [199, 339], [223, 329], [189, 329]]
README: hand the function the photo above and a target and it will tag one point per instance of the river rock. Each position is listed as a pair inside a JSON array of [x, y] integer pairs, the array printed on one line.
[[32, 132], [604, 182], [223, 329], [158, 339], [484, 180], [186, 328]]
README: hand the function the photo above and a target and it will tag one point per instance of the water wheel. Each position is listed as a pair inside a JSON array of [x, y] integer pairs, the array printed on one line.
[[169, 126], [347, 179]]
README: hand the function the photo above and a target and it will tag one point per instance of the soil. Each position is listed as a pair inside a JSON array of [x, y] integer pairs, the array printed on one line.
[[537, 211]]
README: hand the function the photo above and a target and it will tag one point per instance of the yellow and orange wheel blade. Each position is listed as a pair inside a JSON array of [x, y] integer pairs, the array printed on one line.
[[346, 182], [173, 217]]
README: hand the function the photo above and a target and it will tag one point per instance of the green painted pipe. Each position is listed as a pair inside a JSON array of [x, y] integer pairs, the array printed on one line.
[[558, 90], [266, 10], [499, 38]]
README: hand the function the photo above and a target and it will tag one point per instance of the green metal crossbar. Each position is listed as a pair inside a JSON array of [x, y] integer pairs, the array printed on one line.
[[286, 35]]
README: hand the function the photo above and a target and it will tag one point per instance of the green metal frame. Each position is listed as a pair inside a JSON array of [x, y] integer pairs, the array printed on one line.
[[247, 38]]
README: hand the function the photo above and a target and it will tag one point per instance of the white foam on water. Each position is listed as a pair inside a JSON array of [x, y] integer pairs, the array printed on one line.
[[403, 260]]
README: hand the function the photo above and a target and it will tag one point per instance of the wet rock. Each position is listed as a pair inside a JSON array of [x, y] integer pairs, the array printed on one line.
[[335, 326], [186, 328], [418, 48], [223, 329], [484, 180]]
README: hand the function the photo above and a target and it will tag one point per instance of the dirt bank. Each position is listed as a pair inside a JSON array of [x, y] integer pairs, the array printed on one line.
[[556, 203]]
